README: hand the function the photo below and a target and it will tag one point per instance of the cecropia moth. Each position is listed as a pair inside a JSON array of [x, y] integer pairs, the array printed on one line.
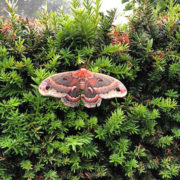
[[82, 84]]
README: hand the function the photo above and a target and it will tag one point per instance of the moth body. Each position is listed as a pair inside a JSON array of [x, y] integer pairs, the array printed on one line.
[[82, 84], [93, 87]]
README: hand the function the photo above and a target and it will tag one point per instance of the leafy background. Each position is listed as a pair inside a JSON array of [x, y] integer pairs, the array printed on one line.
[[132, 138]]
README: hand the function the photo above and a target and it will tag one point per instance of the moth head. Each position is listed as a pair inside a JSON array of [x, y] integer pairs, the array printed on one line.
[[82, 73], [44, 87]]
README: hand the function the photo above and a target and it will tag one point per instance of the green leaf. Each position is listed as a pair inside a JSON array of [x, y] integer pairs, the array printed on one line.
[[165, 141], [89, 151], [176, 132], [114, 48], [116, 159], [164, 103], [172, 94], [92, 122], [52, 175], [26, 164], [78, 141], [113, 124]]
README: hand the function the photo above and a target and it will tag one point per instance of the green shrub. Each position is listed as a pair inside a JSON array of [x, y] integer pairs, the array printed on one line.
[[132, 138]]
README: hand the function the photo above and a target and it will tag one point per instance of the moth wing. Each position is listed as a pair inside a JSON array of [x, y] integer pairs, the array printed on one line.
[[62, 85], [107, 87], [90, 98]]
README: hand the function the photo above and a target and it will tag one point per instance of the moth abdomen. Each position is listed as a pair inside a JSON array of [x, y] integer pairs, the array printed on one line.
[[82, 84]]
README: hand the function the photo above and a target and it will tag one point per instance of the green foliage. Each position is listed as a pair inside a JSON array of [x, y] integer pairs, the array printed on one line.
[[132, 138]]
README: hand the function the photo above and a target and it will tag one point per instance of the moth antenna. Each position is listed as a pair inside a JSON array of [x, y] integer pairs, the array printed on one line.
[[86, 61], [85, 66]]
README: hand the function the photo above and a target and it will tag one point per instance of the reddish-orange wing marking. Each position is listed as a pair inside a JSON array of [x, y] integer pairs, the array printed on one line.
[[94, 87]]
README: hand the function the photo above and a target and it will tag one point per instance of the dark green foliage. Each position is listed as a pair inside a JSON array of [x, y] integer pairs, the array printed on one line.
[[132, 138]]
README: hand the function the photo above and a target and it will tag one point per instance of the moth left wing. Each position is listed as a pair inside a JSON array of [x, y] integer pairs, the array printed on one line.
[[101, 86], [62, 85], [107, 87]]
